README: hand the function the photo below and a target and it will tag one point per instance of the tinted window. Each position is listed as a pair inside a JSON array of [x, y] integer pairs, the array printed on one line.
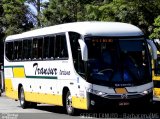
[[46, 47], [9, 50], [27, 49], [37, 48], [51, 47], [16, 50], [61, 47], [20, 51], [118, 62]]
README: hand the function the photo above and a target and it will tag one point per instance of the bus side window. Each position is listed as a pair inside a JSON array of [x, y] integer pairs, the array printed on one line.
[[29, 49], [51, 47], [40, 47], [61, 47], [15, 50], [20, 51], [35, 49], [46, 44], [25, 49], [9, 50]]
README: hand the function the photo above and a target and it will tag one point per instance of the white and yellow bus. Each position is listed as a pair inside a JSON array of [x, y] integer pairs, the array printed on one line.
[[79, 65], [156, 72]]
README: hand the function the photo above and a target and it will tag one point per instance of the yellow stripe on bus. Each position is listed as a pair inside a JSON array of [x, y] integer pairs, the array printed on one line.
[[80, 103], [77, 102], [19, 72], [9, 91], [44, 98]]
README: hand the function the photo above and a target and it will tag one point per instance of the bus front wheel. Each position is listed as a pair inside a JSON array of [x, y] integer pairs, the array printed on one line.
[[23, 102]]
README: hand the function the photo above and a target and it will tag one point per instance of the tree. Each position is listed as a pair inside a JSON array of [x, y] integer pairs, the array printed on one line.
[[1, 33], [15, 17], [147, 11], [156, 31], [1, 22], [62, 11], [138, 12]]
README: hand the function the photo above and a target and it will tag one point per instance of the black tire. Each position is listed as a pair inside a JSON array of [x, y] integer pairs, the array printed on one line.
[[23, 102], [68, 104]]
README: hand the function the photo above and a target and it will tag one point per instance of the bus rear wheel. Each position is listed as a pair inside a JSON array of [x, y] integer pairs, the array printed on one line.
[[70, 110], [23, 102]]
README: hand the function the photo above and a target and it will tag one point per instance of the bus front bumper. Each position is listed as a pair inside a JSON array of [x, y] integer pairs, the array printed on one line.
[[119, 100]]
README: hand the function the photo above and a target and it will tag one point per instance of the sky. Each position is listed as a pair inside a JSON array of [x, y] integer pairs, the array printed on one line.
[[33, 8]]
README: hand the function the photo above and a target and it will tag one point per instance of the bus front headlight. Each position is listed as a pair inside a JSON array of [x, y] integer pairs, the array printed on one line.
[[99, 93], [147, 91]]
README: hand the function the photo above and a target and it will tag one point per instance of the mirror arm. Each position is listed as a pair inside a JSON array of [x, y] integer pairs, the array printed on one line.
[[84, 50], [154, 49]]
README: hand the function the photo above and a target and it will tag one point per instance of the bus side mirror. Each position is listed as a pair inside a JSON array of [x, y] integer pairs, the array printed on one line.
[[84, 50], [153, 48]]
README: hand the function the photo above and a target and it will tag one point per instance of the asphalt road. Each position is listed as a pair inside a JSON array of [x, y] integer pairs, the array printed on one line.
[[10, 109]]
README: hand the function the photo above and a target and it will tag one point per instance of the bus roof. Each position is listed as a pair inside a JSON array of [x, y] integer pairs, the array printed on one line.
[[94, 28]]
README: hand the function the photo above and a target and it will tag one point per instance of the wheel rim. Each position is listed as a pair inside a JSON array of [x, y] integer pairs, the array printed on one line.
[[69, 104], [22, 97]]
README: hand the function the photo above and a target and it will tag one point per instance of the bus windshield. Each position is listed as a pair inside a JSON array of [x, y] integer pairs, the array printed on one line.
[[118, 62]]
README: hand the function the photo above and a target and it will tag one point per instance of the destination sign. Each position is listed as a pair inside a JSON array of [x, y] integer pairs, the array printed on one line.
[[102, 40]]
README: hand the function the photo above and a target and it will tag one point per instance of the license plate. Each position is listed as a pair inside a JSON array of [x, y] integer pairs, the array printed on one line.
[[124, 103]]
